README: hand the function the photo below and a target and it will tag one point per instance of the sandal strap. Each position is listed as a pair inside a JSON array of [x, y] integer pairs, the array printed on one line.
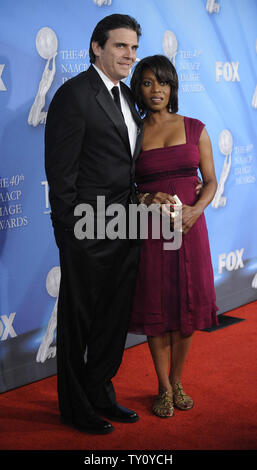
[[178, 389], [180, 397], [163, 402]]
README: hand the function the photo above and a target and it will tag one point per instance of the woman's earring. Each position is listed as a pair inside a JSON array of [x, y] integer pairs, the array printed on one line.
[[169, 108]]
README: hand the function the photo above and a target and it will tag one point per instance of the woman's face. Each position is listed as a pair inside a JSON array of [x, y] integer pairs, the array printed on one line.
[[156, 95]]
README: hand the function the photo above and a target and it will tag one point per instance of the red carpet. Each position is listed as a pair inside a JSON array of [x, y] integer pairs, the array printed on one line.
[[220, 375]]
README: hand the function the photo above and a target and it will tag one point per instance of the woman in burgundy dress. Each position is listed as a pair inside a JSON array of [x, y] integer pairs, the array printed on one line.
[[175, 288]]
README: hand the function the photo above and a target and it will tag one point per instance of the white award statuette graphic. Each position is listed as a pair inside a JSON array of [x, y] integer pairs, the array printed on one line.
[[2, 85], [212, 6], [46, 44], [103, 2], [254, 282], [226, 146], [170, 45], [254, 100], [45, 350]]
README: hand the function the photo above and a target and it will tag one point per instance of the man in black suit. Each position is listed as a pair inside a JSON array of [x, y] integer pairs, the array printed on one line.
[[90, 150]]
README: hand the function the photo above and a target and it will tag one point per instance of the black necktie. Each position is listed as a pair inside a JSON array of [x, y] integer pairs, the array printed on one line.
[[116, 96]]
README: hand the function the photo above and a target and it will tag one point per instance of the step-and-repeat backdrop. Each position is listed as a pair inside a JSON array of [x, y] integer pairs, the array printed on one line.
[[213, 44]]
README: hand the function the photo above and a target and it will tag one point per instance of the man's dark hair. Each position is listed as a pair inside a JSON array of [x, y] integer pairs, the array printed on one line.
[[101, 31], [164, 71]]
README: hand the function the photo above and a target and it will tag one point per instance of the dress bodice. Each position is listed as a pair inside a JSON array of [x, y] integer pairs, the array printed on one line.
[[175, 160]]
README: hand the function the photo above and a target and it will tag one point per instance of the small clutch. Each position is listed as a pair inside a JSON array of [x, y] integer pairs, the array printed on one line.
[[177, 206]]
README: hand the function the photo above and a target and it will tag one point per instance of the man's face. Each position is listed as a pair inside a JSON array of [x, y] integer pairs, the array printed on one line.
[[118, 54]]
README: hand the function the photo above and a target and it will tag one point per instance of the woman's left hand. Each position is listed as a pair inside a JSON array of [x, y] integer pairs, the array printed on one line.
[[190, 215]]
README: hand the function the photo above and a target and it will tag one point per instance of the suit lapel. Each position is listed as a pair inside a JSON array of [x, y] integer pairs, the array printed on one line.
[[127, 93], [108, 106], [136, 117], [106, 102]]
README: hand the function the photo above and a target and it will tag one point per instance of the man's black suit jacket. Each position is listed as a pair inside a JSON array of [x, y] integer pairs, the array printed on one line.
[[87, 151]]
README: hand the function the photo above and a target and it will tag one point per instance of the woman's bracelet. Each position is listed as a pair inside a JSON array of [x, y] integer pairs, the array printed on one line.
[[144, 198]]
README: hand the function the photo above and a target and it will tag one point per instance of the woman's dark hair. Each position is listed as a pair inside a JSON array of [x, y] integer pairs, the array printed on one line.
[[101, 31], [164, 71]]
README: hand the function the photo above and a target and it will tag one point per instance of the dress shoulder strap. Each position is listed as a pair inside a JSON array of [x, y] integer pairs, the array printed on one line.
[[194, 129]]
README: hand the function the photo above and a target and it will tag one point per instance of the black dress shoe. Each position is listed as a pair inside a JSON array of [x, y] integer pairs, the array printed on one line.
[[118, 413], [93, 425]]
